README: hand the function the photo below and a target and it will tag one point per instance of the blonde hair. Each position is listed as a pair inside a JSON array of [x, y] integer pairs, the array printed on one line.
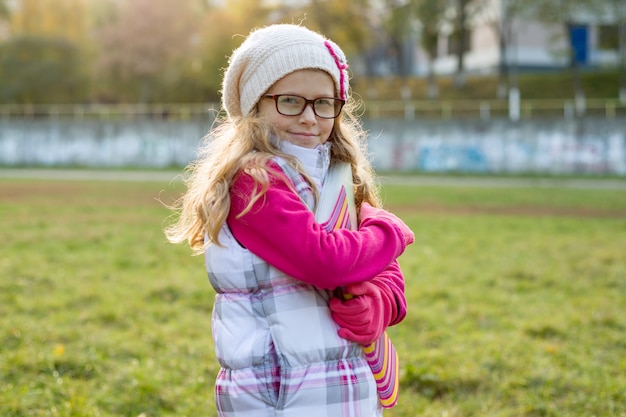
[[245, 143]]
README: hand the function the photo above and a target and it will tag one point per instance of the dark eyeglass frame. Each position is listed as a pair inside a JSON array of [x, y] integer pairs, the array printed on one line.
[[307, 101]]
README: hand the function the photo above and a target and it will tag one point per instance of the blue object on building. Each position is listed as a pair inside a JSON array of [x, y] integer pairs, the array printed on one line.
[[579, 38]]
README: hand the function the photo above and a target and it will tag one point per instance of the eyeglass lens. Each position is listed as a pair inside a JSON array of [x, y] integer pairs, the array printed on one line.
[[325, 107]]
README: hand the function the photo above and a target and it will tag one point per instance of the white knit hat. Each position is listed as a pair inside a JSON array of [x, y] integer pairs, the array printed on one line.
[[270, 53]]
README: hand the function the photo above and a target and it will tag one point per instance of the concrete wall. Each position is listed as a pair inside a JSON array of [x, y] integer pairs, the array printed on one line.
[[541, 146], [99, 143]]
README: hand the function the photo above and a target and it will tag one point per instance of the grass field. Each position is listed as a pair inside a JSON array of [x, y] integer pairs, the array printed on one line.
[[517, 303]]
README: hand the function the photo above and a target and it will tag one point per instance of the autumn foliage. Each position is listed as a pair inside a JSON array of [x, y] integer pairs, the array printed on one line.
[[174, 51], [68, 51]]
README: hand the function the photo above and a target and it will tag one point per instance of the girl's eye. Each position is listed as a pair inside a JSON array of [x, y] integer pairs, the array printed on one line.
[[324, 102], [290, 100]]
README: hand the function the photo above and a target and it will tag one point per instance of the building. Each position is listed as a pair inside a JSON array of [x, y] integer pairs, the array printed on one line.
[[533, 45]]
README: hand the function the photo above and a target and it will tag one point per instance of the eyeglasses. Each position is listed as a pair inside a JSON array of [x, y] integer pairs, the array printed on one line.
[[290, 105]]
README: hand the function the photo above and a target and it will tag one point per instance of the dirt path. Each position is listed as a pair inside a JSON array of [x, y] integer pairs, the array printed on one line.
[[67, 183], [167, 176]]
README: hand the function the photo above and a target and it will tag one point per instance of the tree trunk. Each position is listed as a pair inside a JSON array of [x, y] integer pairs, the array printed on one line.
[[622, 59], [145, 93], [433, 88], [459, 78], [579, 94], [503, 69]]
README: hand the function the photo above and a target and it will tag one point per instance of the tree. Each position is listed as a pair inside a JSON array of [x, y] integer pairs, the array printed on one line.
[[4, 9], [4, 19], [462, 39], [396, 25], [36, 70], [430, 13], [222, 29], [63, 19], [459, 14], [567, 13], [145, 40], [500, 18], [399, 26], [43, 60], [349, 23], [619, 11]]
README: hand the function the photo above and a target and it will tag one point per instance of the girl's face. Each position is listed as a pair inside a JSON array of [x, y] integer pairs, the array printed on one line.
[[306, 129]]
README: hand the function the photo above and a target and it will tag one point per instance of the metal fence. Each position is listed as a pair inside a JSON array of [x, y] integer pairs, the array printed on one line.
[[488, 109], [161, 111], [372, 110]]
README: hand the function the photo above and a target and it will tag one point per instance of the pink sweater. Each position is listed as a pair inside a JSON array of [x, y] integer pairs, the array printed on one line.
[[281, 230]]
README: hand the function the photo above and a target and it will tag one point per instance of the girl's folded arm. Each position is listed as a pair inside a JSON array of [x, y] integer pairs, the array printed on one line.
[[280, 229]]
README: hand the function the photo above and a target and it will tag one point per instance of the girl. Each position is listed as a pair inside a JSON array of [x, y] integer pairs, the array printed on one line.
[[287, 347]]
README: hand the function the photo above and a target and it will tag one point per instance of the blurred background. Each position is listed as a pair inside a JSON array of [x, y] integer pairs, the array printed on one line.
[[483, 86]]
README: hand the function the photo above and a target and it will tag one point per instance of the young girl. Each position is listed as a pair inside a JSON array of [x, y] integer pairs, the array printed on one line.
[[286, 346]]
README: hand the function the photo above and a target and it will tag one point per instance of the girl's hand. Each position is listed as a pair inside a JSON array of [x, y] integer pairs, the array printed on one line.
[[370, 215], [364, 313]]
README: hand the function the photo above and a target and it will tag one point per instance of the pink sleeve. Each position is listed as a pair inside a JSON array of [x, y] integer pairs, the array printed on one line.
[[280, 229], [391, 282]]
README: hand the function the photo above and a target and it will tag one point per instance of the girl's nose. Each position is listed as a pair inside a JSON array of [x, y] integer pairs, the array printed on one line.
[[308, 115]]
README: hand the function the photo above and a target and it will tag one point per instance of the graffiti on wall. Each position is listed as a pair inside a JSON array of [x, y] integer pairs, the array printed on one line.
[[559, 146], [499, 148]]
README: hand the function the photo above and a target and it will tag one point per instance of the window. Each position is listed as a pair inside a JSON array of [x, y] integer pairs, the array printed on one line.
[[608, 37]]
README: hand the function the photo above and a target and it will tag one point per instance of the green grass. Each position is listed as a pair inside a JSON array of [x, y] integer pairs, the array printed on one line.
[[517, 303]]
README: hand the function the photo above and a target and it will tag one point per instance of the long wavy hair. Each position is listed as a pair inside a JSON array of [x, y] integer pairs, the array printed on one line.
[[246, 143]]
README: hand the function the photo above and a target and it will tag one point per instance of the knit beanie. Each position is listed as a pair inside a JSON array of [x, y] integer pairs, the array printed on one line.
[[270, 53]]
